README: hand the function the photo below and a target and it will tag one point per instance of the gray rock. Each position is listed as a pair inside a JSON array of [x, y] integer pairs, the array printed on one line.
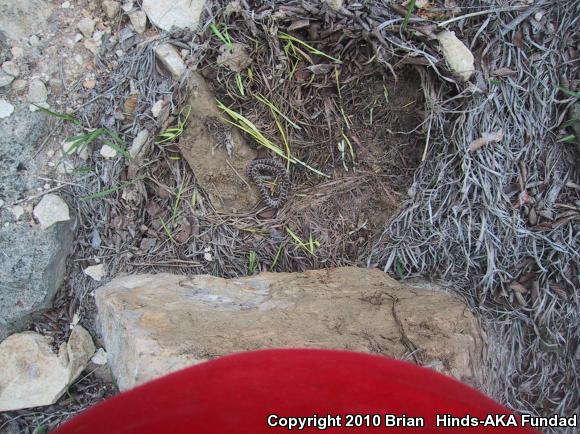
[[32, 261], [32, 267], [5, 79], [170, 14], [458, 57], [37, 92], [10, 68], [21, 18], [6, 109], [156, 324]]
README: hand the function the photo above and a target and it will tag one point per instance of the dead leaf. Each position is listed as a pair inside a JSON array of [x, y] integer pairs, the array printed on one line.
[[485, 139], [320, 69], [518, 40], [503, 72], [518, 287], [299, 24], [130, 104]]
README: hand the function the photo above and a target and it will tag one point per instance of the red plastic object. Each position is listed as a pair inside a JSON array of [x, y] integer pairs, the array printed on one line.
[[241, 392]]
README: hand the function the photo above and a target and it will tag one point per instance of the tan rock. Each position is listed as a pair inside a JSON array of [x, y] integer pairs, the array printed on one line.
[[50, 210], [334, 4], [171, 59], [33, 375], [458, 57], [220, 168], [138, 20], [156, 324]]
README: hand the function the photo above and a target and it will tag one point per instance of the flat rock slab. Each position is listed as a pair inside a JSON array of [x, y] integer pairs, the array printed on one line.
[[156, 324], [217, 153]]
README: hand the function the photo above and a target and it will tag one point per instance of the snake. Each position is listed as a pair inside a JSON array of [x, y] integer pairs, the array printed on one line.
[[269, 169]]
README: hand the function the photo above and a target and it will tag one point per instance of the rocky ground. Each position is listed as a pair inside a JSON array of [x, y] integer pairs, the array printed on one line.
[[116, 159]]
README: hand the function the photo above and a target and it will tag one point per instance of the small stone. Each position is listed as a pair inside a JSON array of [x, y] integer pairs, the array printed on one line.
[[19, 85], [108, 152], [92, 46], [111, 8], [37, 92], [89, 84], [10, 68], [95, 272], [138, 142], [50, 210], [157, 107], [33, 41], [5, 79], [78, 37], [100, 357], [138, 20], [17, 52], [6, 109], [171, 59], [86, 27], [538, 16], [65, 5], [147, 244], [127, 6], [98, 36], [207, 256], [458, 57], [65, 167], [1, 203], [17, 211], [334, 4]]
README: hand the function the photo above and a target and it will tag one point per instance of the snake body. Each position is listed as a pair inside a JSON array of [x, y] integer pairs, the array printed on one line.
[[269, 169]]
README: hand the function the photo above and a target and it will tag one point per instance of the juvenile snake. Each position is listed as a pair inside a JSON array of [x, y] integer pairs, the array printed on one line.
[[269, 169]]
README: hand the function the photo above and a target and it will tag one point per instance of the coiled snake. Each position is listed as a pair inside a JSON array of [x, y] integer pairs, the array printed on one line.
[[270, 176]]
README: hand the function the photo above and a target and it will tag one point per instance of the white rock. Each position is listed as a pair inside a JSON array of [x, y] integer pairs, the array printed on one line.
[[1, 203], [65, 5], [17, 211], [108, 152], [86, 27], [65, 167], [458, 57], [111, 8], [100, 357], [78, 37], [138, 20], [168, 14], [334, 4], [10, 68], [50, 210], [32, 375], [127, 6], [5, 79], [157, 107], [138, 142], [171, 59], [95, 272], [33, 41], [17, 52], [37, 92], [6, 109]]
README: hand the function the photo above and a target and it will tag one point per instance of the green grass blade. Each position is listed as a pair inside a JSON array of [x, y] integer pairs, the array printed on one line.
[[287, 37], [58, 115], [410, 10], [569, 92], [272, 107]]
